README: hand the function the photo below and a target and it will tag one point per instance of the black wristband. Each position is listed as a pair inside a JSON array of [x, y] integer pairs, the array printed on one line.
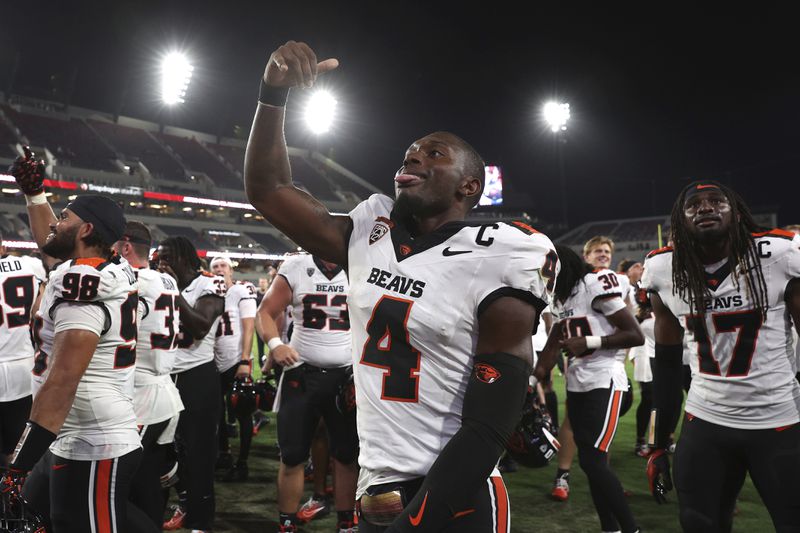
[[32, 445], [667, 386], [275, 96], [243, 362]]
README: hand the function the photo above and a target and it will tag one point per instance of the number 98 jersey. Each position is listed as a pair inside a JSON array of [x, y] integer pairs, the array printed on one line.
[[321, 333], [100, 296], [414, 310], [743, 369]]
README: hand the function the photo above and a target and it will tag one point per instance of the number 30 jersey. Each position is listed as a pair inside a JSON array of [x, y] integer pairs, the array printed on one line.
[[414, 310], [321, 333], [581, 316], [100, 296], [743, 371]]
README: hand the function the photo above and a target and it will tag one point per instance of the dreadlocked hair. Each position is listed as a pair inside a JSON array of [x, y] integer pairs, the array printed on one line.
[[688, 271], [573, 268], [184, 250]]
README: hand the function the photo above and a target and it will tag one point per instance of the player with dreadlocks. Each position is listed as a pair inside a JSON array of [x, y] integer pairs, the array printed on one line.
[[201, 303], [734, 288], [593, 327]]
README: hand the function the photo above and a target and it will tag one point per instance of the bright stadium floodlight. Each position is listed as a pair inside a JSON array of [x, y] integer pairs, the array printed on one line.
[[556, 115], [176, 74], [320, 111]]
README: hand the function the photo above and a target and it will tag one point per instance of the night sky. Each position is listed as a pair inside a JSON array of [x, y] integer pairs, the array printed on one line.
[[657, 98]]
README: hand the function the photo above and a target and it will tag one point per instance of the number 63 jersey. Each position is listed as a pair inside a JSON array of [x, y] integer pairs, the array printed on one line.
[[743, 371], [100, 296], [414, 310]]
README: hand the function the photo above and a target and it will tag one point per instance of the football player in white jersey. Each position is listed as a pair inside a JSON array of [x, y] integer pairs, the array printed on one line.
[[316, 363], [441, 316], [594, 326], [201, 303], [156, 398], [233, 356], [20, 280], [734, 288], [597, 252], [81, 435]]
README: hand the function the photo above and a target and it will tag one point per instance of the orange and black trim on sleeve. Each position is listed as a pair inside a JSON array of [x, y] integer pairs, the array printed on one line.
[[776, 232], [659, 251]]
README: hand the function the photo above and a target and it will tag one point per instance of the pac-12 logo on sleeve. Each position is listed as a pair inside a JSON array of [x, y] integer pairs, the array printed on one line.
[[486, 373], [381, 228]]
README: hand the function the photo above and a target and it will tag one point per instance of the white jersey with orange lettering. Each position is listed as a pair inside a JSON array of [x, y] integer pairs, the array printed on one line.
[[192, 353], [321, 331], [743, 369], [20, 279], [156, 397], [595, 297], [414, 308], [240, 303], [100, 296]]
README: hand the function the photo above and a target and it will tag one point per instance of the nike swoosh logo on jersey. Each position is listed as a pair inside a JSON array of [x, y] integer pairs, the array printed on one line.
[[447, 252], [415, 520]]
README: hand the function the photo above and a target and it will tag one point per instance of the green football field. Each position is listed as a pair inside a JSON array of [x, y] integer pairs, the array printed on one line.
[[251, 506]]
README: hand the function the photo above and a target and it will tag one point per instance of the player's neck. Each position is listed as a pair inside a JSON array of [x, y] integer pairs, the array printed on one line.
[[186, 278], [419, 226], [82, 252], [713, 252]]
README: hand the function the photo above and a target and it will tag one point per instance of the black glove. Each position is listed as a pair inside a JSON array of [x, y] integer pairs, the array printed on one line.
[[658, 474], [29, 173]]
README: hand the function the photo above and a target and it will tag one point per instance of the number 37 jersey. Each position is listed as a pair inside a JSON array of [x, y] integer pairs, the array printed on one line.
[[743, 370], [414, 310]]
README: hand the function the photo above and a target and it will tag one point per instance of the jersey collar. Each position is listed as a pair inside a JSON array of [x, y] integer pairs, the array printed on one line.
[[405, 245], [330, 274]]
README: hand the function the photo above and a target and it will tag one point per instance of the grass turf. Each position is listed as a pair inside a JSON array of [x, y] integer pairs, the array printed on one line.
[[251, 506]]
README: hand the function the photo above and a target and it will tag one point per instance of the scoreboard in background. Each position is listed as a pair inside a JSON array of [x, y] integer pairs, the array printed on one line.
[[493, 189]]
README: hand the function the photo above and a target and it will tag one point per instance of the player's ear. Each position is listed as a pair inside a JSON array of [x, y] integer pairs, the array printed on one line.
[[85, 230], [470, 186]]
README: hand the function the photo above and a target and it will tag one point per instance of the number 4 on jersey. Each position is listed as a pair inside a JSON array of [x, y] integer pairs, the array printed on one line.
[[388, 347]]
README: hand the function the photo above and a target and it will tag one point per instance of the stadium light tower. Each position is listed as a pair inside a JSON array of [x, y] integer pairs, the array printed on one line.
[[320, 112], [556, 115], [176, 74]]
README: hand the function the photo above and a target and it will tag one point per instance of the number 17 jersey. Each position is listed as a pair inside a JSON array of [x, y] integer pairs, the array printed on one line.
[[414, 310], [743, 368]]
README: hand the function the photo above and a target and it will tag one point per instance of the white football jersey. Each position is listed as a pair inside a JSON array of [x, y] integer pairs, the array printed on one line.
[[321, 331], [240, 303], [20, 279], [156, 397], [743, 370], [580, 316], [100, 296], [192, 353], [414, 309]]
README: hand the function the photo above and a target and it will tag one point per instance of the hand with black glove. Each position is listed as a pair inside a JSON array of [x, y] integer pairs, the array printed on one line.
[[658, 474], [29, 173]]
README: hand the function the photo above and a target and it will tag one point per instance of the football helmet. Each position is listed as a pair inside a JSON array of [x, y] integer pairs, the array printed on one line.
[[346, 396], [265, 392], [16, 515], [244, 397], [533, 443]]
